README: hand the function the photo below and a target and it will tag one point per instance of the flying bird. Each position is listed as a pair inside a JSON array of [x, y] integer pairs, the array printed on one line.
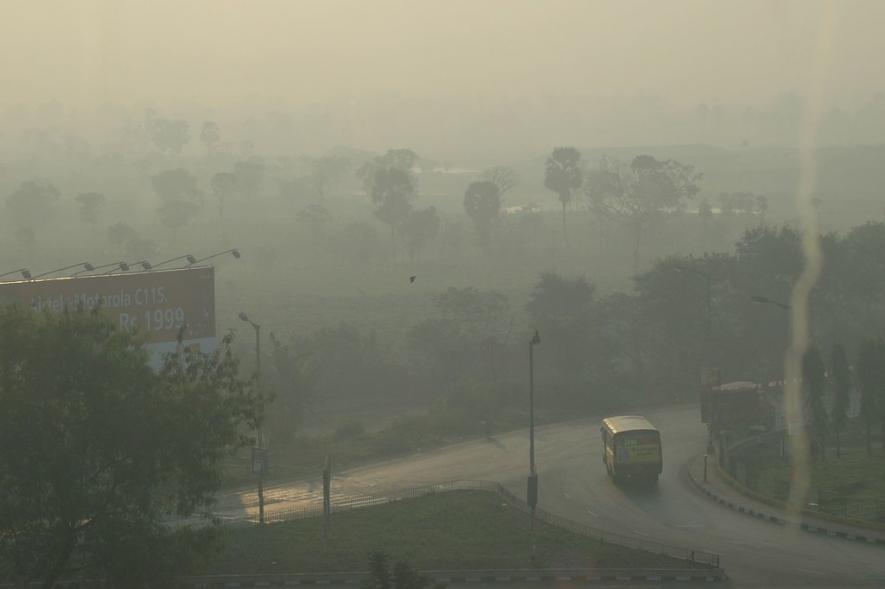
[[412, 279]]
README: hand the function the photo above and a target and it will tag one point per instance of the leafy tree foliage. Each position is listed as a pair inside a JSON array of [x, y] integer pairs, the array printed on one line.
[[419, 228], [390, 183], [705, 210], [359, 243], [119, 233], [503, 177], [871, 380], [466, 338], [210, 136], [169, 135], [482, 203], [563, 310], [813, 388], [223, 186], [293, 380], [30, 205], [180, 198], [744, 203], [563, 175], [840, 383], [640, 193], [316, 217], [327, 170], [250, 177], [401, 576], [99, 454], [336, 361], [90, 206]]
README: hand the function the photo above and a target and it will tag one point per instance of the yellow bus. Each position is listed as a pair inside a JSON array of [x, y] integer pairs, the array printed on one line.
[[631, 448]]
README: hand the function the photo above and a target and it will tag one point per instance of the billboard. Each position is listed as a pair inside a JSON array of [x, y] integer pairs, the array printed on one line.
[[155, 304]]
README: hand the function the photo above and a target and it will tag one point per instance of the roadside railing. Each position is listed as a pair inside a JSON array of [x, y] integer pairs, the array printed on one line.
[[314, 508]]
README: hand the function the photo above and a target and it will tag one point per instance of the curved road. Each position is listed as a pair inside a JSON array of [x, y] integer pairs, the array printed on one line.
[[573, 484]]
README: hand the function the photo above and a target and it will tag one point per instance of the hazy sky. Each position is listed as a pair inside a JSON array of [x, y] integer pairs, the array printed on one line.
[[229, 53]]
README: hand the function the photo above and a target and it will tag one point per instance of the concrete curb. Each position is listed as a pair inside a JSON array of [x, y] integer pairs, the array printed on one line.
[[777, 519], [586, 576], [653, 576]]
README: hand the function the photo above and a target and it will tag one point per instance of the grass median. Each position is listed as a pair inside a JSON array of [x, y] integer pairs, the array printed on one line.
[[454, 530], [851, 486]]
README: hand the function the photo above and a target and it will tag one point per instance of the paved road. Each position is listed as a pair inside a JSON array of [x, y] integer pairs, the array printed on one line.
[[573, 484]]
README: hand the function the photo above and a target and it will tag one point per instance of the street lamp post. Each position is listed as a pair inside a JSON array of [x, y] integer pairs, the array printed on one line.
[[261, 454], [532, 490]]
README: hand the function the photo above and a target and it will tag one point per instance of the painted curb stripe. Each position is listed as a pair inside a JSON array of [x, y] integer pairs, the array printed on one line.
[[779, 520]]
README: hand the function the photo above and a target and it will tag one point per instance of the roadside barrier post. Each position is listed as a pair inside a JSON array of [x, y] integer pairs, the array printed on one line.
[[705, 467], [327, 496]]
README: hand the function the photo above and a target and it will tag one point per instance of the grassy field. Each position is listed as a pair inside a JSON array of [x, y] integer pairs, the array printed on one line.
[[350, 444], [852, 486], [455, 530]]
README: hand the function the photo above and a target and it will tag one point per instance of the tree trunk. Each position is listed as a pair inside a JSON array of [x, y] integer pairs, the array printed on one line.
[[869, 438], [838, 444], [393, 243], [564, 229], [637, 236], [61, 561]]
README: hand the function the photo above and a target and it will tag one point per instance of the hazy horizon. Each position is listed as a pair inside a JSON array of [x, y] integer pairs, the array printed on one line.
[[457, 76]]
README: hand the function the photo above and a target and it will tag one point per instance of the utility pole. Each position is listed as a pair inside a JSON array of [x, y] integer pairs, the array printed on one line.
[[259, 454], [532, 488], [327, 497]]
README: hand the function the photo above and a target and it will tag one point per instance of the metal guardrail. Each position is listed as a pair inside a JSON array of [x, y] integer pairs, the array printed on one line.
[[482, 576], [694, 557]]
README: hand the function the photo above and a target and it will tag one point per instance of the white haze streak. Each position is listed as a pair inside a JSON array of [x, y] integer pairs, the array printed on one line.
[[813, 262]]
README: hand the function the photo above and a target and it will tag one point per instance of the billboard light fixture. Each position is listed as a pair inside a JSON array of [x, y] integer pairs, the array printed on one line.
[[26, 274], [86, 266]]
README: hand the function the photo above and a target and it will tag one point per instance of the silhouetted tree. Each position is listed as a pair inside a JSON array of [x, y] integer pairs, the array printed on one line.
[[90, 206], [466, 337], [392, 189], [637, 194], [563, 176], [180, 198], [419, 228], [119, 233], [360, 243], [840, 381], [169, 135], [293, 380], [501, 176], [871, 381], [562, 309], [95, 458], [224, 186], [705, 210], [326, 171], [32, 204], [250, 177], [210, 136], [401, 159], [813, 386], [316, 217], [482, 203]]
